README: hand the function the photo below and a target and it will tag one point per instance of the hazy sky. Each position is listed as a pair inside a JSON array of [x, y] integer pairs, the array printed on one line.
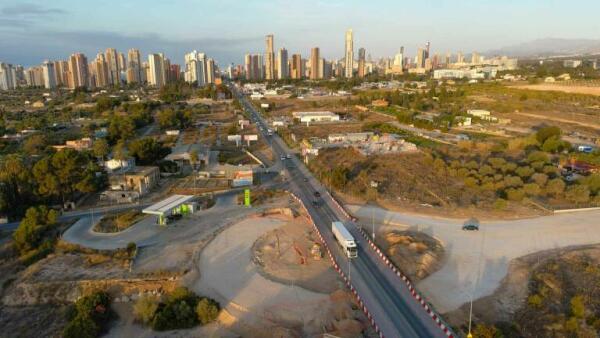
[[34, 30]]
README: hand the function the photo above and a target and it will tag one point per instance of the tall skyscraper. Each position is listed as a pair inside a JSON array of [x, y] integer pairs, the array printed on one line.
[[78, 71], [254, 67], [100, 71], [7, 76], [460, 58], [134, 66], [296, 68], [475, 58], [270, 59], [210, 71], [122, 62], [421, 57], [314, 63], [61, 71], [112, 61], [349, 55], [283, 71], [49, 76], [361, 62], [156, 70], [195, 68]]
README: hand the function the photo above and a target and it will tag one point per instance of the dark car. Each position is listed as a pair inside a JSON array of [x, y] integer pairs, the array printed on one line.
[[317, 194], [174, 217], [315, 203], [471, 224]]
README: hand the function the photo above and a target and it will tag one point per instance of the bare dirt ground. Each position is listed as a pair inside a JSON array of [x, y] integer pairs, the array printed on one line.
[[284, 255], [509, 301], [257, 307], [477, 261], [563, 88], [417, 254], [32, 321]]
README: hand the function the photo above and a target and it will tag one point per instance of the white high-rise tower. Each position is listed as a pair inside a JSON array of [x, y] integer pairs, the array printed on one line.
[[349, 57]]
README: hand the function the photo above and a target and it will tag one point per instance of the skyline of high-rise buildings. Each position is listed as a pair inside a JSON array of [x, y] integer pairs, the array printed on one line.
[[114, 68]]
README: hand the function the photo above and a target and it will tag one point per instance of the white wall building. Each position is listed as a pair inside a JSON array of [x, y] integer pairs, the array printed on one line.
[[317, 116]]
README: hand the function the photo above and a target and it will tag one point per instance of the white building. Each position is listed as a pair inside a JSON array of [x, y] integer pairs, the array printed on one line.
[[572, 63], [195, 68], [156, 72], [49, 75], [8, 76], [316, 116]]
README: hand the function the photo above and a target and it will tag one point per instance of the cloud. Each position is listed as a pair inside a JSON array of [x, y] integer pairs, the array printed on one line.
[[32, 47], [29, 9]]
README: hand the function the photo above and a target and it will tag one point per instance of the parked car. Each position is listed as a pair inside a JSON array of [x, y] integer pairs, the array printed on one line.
[[317, 194], [174, 217], [472, 224]]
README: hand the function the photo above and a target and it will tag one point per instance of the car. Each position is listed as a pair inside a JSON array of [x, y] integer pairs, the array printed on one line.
[[471, 224], [315, 203], [282, 158], [305, 179], [317, 194], [288, 156], [174, 217]]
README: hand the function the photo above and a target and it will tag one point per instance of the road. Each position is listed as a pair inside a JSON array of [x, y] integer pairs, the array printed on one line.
[[394, 309], [476, 261]]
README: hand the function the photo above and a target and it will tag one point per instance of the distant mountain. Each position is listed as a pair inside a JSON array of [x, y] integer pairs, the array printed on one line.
[[550, 47]]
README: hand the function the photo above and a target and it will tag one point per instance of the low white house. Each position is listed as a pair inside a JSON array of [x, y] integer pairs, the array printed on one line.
[[316, 116], [123, 165]]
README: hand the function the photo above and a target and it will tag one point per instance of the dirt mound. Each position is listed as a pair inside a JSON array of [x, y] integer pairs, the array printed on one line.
[[292, 255], [415, 253]]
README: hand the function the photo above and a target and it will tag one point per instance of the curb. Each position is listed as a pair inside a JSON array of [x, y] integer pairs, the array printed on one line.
[[413, 291]]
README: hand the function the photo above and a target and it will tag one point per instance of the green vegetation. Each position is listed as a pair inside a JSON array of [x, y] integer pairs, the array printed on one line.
[[148, 151], [562, 300], [89, 316], [181, 309], [36, 235], [178, 119], [119, 222]]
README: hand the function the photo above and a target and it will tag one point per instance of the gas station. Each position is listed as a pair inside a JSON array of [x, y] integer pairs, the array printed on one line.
[[169, 208]]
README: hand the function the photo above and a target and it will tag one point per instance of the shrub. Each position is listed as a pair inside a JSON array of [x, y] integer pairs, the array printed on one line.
[[91, 313], [500, 204], [81, 326], [516, 195], [535, 301], [207, 310], [145, 308], [577, 307], [578, 194], [555, 187]]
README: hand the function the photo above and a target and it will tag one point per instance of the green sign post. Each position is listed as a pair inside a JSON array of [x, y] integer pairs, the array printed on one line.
[[247, 197]]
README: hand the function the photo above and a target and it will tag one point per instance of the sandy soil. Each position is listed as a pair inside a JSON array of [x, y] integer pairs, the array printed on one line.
[[477, 262], [284, 255], [259, 307], [562, 88], [512, 294]]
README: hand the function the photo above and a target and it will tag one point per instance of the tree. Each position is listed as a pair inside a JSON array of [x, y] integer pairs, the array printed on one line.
[[554, 145], [207, 310], [540, 179], [81, 326], [148, 151], [166, 118], [121, 128], [486, 331], [30, 232], [145, 308], [120, 151], [101, 148], [545, 133], [35, 144], [16, 188]]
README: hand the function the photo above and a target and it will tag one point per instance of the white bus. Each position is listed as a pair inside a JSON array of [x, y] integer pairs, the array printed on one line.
[[345, 239]]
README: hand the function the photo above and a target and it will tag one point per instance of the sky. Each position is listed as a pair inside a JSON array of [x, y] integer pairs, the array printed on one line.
[[34, 30]]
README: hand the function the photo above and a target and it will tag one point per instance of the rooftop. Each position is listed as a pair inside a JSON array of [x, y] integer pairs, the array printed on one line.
[[167, 204]]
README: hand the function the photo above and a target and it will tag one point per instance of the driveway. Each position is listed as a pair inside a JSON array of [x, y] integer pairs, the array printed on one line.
[[146, 232], [476, 262]]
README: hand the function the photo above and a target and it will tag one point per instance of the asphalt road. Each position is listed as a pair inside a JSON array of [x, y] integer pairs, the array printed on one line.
[[394, 309]]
